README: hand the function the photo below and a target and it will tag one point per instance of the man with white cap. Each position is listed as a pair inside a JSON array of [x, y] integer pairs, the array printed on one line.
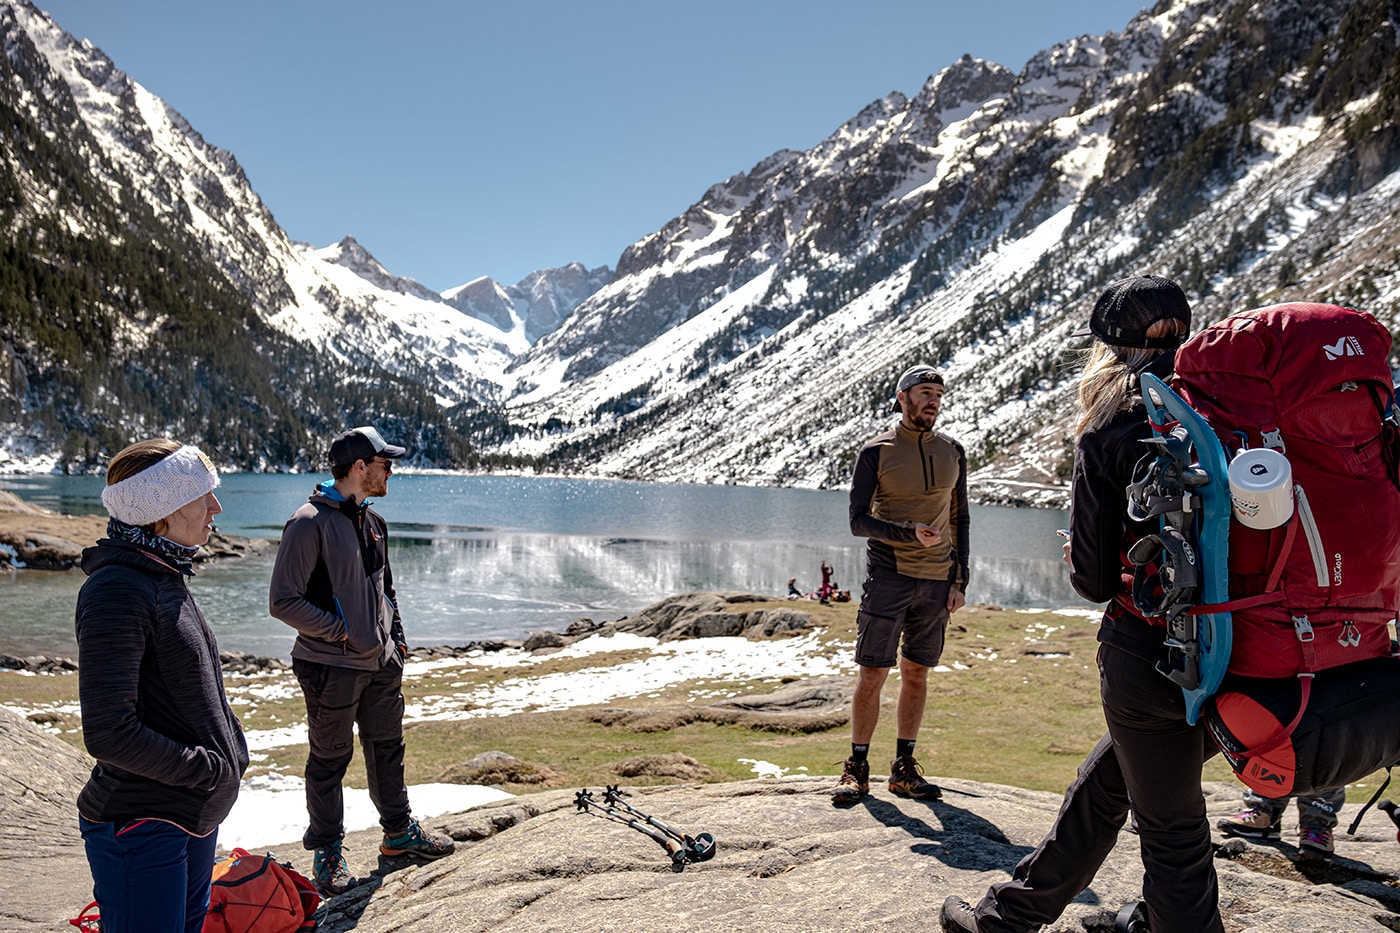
[[909, 499], [333, 584]]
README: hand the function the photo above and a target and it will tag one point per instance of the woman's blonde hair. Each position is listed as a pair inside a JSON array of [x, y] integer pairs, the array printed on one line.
[[139, 456], [1108, 384]]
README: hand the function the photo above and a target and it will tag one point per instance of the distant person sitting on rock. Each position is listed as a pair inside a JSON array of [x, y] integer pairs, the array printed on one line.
[[793, 591], [170, 752], [333, 584], [909, 498], [1150, 754]]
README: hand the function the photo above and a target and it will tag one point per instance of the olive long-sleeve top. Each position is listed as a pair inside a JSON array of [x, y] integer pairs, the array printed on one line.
[[906, 476]]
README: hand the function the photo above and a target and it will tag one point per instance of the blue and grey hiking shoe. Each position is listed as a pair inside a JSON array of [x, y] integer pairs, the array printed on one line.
[[332, 874], [414, 841]]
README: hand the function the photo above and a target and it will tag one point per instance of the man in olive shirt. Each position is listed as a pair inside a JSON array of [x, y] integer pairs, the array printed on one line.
[[909, 499]]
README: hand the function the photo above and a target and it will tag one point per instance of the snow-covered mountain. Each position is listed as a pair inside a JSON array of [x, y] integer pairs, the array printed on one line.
[[112, 154], [534, 306], [1249, 150], [154, 155]]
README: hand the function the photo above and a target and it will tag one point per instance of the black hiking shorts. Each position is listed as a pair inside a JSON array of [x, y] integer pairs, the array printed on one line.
[[894, 605]]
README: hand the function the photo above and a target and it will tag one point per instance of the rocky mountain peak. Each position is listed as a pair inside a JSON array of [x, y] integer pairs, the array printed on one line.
[[353, 256]]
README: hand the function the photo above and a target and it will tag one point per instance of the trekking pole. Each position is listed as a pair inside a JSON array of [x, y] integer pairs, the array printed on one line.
[[699, 848], [584, 801]]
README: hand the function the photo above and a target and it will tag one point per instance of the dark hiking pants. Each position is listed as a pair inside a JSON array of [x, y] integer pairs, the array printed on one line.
[[1151, 756], [337, 700]]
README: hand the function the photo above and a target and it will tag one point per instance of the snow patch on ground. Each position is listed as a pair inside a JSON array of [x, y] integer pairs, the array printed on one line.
[[271, 808]]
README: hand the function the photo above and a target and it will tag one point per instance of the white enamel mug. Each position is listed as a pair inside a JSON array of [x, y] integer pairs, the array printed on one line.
[[1261, 488]]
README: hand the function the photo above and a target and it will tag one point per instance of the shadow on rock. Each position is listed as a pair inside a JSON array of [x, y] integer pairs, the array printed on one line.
[[343, 911], [961, 842]]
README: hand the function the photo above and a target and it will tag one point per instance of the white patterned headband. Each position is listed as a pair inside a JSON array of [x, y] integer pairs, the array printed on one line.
[[161, 488]]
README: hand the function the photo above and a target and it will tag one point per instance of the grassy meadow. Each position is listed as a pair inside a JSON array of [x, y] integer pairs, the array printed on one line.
[[1019, 705]]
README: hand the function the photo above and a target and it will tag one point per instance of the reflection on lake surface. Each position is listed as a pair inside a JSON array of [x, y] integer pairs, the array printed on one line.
[[479, 557]]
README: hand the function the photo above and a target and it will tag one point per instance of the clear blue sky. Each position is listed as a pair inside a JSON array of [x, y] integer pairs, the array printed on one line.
[[457, 138]]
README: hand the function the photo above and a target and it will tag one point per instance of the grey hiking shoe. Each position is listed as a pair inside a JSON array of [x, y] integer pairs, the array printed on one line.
[[854, 783], [332, 874], [957, 917], [907, 780], [415, 841], [1250, 824], [1315, 842]]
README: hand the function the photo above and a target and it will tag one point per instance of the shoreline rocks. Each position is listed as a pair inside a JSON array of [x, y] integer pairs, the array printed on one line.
[[689, 615], [32, 538]]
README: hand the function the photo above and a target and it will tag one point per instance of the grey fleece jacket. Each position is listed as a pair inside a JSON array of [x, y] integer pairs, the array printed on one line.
[[331, 582]]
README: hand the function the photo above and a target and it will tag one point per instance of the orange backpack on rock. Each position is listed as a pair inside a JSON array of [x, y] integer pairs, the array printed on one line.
[[258, 894]]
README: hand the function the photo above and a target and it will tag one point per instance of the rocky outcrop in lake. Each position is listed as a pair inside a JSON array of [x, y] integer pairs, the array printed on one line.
[[32, 538]]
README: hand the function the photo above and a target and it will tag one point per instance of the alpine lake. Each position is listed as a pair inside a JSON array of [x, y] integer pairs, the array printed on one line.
[[486, 557]]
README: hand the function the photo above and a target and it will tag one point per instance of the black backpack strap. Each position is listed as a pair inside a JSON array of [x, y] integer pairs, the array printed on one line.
[[1389, 410], [1351, 830]]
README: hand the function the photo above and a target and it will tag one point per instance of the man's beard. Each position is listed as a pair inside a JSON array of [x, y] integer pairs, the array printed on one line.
[[924, 421]]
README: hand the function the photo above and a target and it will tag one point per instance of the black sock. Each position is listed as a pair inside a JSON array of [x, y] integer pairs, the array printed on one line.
[[860, 752], [904, 748]]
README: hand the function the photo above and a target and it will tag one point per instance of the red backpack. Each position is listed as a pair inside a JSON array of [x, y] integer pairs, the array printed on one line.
[[249, 894], [1314, 382], [258, 894]]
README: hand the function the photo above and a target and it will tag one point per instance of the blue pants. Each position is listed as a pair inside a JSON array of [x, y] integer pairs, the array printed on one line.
[[149, 876]]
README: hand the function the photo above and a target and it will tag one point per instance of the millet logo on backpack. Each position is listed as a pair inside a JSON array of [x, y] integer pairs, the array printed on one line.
[[1262, 773], [1347, 346]]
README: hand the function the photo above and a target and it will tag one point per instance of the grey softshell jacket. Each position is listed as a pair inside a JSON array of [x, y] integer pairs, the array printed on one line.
[[332, 583]]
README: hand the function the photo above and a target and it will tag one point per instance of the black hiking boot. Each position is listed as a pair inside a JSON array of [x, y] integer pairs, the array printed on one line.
[[854, 783], [907, 780]]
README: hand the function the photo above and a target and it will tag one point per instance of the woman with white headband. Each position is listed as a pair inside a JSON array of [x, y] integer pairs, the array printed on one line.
[[170, 753]]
